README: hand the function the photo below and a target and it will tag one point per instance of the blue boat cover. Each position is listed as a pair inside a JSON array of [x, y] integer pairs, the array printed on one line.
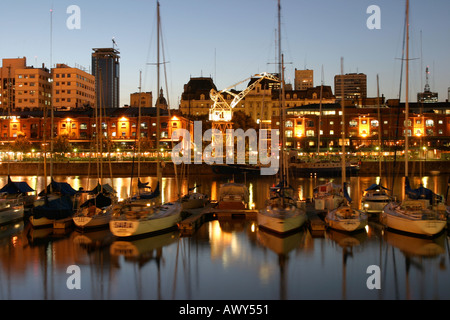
[[100, 201], [16, 187], [142, 185], [106, 188], [346, 195], [420, 193], [376, 187], [59, 208], [151, 195], [60, 187]]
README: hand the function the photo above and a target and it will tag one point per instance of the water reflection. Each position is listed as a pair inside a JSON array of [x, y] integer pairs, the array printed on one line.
[[225, 258]]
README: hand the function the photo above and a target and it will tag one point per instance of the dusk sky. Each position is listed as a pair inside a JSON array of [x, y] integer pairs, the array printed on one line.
[[231, 40]]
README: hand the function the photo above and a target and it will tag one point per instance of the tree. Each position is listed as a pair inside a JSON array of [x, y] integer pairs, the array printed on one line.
[[61, 144], [21, 144], [243, 121]]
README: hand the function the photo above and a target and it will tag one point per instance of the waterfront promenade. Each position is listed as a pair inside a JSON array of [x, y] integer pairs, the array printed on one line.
[[125, 168]]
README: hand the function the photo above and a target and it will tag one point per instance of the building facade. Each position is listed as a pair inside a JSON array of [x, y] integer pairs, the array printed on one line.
[[261, 103], [195, 99], [8, 81], [363, 127], [354, 86], [141, 98], [33, 88], [72, 87], [304, 79], [80, 125]]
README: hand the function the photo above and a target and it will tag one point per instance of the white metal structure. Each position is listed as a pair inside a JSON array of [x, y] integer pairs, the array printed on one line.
[[221, 112]]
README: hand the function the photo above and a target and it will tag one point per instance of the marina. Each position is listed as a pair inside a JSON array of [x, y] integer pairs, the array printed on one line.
[[214, 255], [215, 188]]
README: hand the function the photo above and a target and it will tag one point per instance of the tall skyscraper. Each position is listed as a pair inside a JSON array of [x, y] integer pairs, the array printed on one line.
[[105, 68]]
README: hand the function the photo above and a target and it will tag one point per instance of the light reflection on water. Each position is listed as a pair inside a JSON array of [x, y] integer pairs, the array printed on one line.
[[225, 259]]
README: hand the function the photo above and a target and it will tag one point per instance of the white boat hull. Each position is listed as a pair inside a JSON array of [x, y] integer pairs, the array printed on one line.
[[41, 222], [374, 203], [393, 219], [281, 222], [163, 219], [99, 220], [193, 203], [11, 214], [356, 222]]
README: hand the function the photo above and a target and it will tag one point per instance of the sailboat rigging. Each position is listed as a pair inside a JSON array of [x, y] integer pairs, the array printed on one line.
[[419, 213], [137, 218], [345, 218], [282, 213]]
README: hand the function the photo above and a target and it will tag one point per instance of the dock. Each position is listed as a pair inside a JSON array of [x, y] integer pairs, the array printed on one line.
[[314, 221], [196, 217], [63, 223]]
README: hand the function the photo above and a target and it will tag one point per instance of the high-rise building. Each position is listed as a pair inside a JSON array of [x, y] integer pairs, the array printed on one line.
[[355, 87], [304, 79], [72, 87], [105, 68]]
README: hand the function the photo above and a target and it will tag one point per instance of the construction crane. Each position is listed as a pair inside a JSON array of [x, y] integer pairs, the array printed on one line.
[[220, 113]]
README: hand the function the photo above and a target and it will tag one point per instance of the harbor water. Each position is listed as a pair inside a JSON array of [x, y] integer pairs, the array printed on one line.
[[225, 258]]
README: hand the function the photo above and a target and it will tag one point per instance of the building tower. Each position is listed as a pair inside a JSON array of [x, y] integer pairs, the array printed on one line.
[[427, 96], [304, 79], [105, 68], [354, 86]]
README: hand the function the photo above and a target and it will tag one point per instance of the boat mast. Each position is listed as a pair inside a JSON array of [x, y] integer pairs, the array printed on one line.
[[379, 128], [407, 90], [139, 127], [281, 99], [344, 178], [320, 114], [158, 125]]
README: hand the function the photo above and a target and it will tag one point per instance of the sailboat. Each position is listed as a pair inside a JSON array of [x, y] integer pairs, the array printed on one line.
[[193, 200], [135, 218], [345, 218], [328, 196], [12, 201], [281, 213], [97, 211], [376, 197], [57, 201], [419, 213]]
